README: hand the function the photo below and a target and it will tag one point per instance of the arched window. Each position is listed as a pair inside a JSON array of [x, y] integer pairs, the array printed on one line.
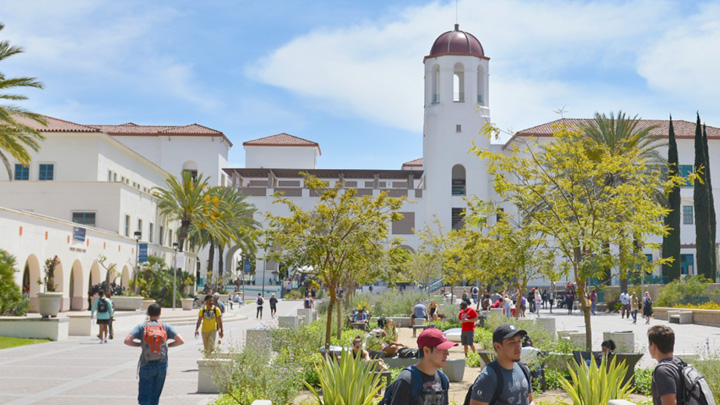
[[191, 167], [480, 85], [458, 180], [459, 83], [436, 84]]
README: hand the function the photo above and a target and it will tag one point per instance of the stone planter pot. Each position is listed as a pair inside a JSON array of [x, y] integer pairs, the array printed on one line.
[[187, 304], [454, 369], [146, 304], [49, 303], [208, 369], [124, 303], [624, 340]]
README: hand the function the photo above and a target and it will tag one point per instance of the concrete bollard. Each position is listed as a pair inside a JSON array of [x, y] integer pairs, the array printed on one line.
[[291, 322], [547, 324], [207, 370], [624, 340], [454, 369], [578, 338]]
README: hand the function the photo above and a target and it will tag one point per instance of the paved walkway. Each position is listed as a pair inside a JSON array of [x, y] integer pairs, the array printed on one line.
[[80, 370]]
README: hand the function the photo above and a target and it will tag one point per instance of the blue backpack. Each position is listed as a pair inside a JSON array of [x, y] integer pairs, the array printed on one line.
[[417, 385]]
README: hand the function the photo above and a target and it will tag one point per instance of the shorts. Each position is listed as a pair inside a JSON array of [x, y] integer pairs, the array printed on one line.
[[467, 338], [103, 321]]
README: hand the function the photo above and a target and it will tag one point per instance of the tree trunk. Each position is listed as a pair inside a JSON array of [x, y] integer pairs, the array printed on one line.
[[328, 324], [339, 318], [623, 266], [182, 234], [211, 256], [221, 262]]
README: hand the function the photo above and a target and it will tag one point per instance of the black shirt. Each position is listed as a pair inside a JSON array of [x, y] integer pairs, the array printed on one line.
[[665, 379]]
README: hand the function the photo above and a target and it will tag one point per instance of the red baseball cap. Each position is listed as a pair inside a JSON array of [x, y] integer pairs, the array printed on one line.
[[434, 337]]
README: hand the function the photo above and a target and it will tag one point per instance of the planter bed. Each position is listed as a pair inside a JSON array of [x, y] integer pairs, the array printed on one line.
[[709, 317]]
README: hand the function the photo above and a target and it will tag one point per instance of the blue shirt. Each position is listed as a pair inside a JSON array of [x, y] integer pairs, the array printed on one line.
[[420, 311], [514, 392], [102, 315], [139, 331]]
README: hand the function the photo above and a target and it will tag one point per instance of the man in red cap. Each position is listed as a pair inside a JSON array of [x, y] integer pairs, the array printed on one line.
[[423, 383]]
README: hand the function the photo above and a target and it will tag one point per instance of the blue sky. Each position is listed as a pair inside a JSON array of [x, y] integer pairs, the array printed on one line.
[[349, 74]]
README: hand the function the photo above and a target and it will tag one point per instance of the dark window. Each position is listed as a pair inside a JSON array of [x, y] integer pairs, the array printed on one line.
[[160, 235], [127, 225], [687, 214], [685, 171], [457, 218], [150, 232], [22, 172], [85, 218], [458, 128], [686, 264], [47, 171]]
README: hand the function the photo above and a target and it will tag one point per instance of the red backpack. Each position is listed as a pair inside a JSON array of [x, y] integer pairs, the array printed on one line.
[[154, 341]]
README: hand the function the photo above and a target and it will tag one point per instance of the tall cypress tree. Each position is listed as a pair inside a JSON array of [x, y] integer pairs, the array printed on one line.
[[671, 242], [711, 207], [703, 241]]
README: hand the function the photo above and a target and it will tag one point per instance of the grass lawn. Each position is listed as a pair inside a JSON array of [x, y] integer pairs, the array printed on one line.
[[8, 342]]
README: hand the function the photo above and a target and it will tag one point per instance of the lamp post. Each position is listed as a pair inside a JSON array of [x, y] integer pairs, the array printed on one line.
[[175, 248], [137, 235]]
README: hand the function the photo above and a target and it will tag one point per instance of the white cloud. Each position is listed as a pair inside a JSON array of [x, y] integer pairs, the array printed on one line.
[[544, 55]]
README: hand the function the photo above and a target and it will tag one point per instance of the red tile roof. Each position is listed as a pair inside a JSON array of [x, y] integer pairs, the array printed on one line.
[[55, 125], [683, 129], [282, 139], [414, 163], [132, 129]]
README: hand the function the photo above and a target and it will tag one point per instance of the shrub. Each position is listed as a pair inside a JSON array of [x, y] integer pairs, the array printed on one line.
[[351, 381], [597, 384], [554, 376], [483, 338], [709, 368], [393, 303], [643, 380], [688, 290], [707, 305], [12, 300], [473, 360]]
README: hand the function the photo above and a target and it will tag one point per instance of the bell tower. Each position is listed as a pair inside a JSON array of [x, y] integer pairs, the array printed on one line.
[[456, 108]]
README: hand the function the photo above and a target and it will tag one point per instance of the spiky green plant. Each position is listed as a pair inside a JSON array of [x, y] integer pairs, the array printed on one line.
[[597, 384], [350, 381]]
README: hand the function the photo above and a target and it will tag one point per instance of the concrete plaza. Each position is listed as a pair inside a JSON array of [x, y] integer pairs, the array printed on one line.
[[80, 370]]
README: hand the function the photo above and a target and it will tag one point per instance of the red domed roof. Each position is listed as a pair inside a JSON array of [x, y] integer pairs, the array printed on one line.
[[457, 42]]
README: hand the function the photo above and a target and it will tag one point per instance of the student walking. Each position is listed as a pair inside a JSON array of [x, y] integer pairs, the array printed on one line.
[[647, 307], [634, 307], [273, 305], [103, 307], [259, 301], [153, 337], [211, 319]]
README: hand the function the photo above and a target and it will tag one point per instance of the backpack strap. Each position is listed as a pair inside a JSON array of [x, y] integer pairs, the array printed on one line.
[[495, 366], [416, 381]]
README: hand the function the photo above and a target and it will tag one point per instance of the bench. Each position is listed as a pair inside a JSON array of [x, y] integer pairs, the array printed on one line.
[[416, 327], [681, 317]]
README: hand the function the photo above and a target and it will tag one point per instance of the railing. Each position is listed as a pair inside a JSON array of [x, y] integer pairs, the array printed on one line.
[[435, 285], [458, 191]]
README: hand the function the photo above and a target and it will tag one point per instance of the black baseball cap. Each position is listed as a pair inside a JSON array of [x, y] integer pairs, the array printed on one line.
[[506, 331]]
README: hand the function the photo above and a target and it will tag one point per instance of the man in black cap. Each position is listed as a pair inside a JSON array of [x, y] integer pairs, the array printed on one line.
[[504, 381]]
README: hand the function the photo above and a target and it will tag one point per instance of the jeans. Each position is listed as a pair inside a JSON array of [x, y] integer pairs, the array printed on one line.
[[152, 379], [634, 314]]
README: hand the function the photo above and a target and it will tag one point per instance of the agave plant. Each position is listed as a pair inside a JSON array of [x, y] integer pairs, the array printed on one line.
[[350, 381], [597, 384]]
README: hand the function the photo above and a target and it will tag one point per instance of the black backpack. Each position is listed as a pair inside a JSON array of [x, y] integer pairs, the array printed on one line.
[[500, 381], [417, 386], [102, 305]]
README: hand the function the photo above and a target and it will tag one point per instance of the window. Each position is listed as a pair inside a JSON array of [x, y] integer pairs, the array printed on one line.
[[109, 175], [457, 218], [160, 234], [687, 211], [480, 85], [685, 171], [47, 171], [687, 264], [405, 225], [500, 214], [85, 218], [114, 176], [127, 225], [459, 83], [458, 128], [22, 172], [139, 228], [150, 232], [436, 84], [458, 180]]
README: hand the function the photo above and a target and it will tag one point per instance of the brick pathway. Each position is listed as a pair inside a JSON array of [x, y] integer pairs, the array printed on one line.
[[80, 370]]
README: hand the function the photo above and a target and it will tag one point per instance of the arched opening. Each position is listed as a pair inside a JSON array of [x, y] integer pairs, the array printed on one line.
[[192, 167], [31, 274], [75, 292], [458, 180], [60, 285], [459, 83], [435, 82], [125, 279], [94, 278], [480, 86]]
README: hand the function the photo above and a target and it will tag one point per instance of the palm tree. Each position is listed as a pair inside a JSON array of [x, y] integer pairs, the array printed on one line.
[[622, 135], [15, 133], [184, 202]]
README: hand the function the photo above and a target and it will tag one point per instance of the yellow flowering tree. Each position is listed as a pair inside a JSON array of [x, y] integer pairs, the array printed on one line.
[[560, 191]]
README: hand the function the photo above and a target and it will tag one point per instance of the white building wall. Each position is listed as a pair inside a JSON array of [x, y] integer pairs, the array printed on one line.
[[281, 157]]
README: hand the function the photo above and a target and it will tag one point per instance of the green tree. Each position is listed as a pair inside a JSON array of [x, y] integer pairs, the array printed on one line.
[[671, 241], [701, 201], [183, 201], [711, 204], [621, 135], [561, 191], [339, 239], [16, 131], [12, 301]]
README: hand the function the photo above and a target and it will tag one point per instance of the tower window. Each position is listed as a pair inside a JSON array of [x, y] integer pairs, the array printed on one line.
[[459, 83], [458, 128], [47, 172], [687, 211], [457, 218], [435, 84], [480, 86], [22, 172], [458, 180]]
